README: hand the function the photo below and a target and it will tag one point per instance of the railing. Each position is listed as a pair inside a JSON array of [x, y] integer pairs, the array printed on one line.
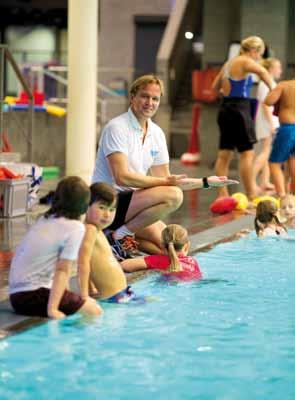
[[5, 54], [58, 73]]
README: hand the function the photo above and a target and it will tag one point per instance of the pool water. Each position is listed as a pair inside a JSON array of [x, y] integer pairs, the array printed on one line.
[[230, 336]]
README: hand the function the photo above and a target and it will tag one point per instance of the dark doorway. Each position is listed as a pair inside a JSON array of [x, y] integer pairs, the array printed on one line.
[[148, 34]]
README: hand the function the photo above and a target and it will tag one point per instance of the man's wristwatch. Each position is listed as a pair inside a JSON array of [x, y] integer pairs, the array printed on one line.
[[206, 183]]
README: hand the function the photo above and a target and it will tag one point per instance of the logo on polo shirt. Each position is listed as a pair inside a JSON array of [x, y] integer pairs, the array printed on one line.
[[154, 153]]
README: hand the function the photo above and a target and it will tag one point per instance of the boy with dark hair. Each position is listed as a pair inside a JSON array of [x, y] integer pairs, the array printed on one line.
[[98, 266]]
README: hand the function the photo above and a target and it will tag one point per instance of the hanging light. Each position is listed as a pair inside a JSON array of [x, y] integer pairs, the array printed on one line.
[[189, 35]]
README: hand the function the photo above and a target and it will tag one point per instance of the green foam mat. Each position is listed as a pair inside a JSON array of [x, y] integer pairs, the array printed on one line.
[[51, 173]]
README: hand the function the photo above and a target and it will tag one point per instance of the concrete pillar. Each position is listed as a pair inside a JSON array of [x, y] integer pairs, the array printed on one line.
[[82, 83]]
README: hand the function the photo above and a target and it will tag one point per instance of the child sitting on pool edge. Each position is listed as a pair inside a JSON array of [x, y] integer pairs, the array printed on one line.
[[267, 222], [98, 267], [175, 264], [41, 267]]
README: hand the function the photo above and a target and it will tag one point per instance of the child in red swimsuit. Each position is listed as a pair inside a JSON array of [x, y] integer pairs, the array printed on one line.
[[175, 264]]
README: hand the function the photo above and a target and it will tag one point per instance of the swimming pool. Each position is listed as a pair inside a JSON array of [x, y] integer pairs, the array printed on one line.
[[231, 336]]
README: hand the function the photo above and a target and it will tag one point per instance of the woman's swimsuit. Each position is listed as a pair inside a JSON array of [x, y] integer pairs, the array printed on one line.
[[236, 114], [241, 88]]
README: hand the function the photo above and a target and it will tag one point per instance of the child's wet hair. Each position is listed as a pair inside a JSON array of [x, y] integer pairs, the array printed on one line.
[[104, 193], [70, 199], [174, 237], [266, 212]]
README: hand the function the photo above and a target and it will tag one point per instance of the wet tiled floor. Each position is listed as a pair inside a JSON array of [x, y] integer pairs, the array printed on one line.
[[194, 214]]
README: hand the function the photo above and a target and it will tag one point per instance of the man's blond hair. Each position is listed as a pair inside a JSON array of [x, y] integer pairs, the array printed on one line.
[[143, 81]]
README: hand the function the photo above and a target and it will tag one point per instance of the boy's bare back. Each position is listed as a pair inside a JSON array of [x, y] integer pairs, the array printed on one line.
[[287, 102], [284, 96], [106, 273]]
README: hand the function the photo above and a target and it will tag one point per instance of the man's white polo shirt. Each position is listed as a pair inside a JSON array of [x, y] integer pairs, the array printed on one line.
[[123, 134]]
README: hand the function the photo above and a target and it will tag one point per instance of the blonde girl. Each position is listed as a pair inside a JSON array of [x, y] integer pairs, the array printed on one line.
[[174, 262], [266, 125]]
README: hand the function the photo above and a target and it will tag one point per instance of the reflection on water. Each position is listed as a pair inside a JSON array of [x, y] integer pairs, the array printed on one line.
[[211, 281]]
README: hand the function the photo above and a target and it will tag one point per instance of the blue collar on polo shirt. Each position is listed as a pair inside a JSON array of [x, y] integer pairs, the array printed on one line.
[[135, 124]]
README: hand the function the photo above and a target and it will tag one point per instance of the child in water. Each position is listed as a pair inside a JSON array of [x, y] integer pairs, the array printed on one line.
[[288, 209], [175, 264], [41, 268], [99, 271], [267, 222]]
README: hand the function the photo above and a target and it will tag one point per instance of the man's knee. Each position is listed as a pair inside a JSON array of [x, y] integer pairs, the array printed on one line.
[[174, 197]]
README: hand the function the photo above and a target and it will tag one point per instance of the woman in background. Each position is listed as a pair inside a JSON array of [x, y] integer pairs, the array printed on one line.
[[235, 117]]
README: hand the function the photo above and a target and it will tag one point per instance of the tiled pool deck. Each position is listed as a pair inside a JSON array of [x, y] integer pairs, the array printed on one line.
[[204, 229]]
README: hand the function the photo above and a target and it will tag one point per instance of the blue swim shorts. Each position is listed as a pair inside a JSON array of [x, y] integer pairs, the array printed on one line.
[[284, 144], [126, 296]]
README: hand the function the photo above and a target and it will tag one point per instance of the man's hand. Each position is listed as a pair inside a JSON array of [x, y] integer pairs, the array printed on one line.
[[55, 314], [220, 181], [197, 183]]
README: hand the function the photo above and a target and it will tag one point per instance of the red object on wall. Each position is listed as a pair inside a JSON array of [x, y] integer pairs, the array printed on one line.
[[193, 153], [23, 98], [38, 98], [194, 145], [202, 83]]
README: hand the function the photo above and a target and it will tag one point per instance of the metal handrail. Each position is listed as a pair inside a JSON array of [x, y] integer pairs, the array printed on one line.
[[64, 81], [52, 72], [6, 54]]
